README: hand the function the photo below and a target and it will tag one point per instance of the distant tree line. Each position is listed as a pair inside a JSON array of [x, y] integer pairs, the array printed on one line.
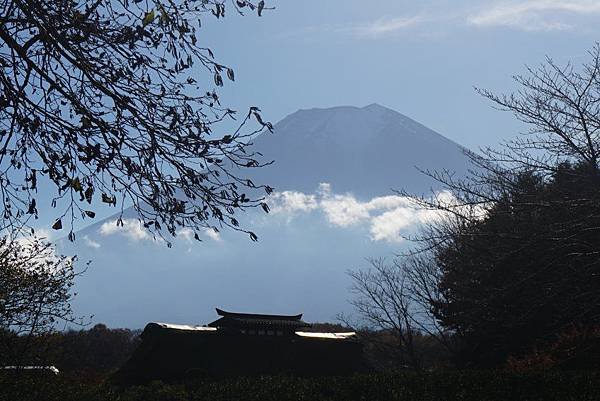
[[509, 274], [92, 353]]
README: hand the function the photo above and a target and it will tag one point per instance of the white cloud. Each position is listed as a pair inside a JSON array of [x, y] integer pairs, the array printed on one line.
[[135, 231], [534, 15], [38, 253], [26, 238], [389, 225], [186, 233], [344, 210], [44, 234], [386, 26], [131, 229], [375, 29], [386, 216], [433, 20], [90, 242], [290, 202], [212, 234]]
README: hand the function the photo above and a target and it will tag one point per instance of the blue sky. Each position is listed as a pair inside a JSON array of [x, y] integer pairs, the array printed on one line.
[[421, 58]]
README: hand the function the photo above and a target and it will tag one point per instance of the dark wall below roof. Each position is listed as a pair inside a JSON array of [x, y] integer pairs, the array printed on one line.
[[175, 355]]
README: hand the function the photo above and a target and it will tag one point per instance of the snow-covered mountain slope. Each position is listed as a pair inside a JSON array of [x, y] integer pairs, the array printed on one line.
[[334, 170], [366, 151]]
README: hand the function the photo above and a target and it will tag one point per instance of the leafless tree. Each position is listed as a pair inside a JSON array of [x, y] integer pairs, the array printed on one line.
[[394, 299], [108, 101], [516, 241], [512, 258], [561, 106]]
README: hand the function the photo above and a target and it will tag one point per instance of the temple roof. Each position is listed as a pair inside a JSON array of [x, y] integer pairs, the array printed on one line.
[[237, 315], [253, 320]]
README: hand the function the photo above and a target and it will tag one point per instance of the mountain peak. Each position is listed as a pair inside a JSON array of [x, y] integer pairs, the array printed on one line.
[[376, 106], [348, 108]]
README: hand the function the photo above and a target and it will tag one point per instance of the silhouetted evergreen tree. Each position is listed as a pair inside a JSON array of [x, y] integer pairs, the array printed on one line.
[[513, 260], [526, 272]]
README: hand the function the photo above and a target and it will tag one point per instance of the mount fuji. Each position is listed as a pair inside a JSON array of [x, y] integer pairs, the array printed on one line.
[[366, 151], [334, 170]]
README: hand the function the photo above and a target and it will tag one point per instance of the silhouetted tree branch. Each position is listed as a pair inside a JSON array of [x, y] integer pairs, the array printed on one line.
[[109, 101], [561, 106]]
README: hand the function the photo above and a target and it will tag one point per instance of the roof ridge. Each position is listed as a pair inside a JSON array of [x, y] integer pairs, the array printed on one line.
[[223, 313]]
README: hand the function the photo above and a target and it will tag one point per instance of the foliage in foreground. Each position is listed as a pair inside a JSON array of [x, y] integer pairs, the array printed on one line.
[[35, 294], [458, 385], [114, 102]]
